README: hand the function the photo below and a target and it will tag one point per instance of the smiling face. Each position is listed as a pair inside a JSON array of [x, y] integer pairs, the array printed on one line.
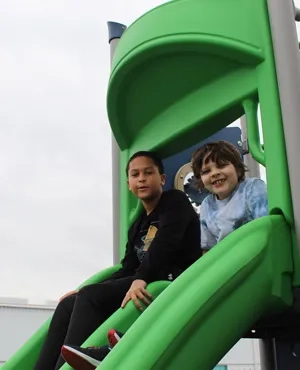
[[144, 179], [221, 179], [218, 167]]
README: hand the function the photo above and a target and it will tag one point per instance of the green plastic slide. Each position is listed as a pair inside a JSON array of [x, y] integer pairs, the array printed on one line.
[[202, 314], [198, 319]]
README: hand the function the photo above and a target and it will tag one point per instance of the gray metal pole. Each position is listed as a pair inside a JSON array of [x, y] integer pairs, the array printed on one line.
[[115, 31], [267, 354], [286, 51], [250, 162], [266, 346]]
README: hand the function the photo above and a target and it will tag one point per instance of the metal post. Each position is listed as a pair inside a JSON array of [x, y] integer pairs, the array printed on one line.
[[115, 31], [286, 53], [267, 354], [250, 162], [266, 346]]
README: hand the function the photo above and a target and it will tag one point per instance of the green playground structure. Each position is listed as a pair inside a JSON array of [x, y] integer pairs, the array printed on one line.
[[180, 73]]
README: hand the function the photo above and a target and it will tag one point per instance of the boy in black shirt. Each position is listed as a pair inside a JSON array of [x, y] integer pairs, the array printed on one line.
[[162, 243]]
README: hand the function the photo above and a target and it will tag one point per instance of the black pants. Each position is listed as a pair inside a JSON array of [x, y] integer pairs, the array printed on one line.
[[78, 316]]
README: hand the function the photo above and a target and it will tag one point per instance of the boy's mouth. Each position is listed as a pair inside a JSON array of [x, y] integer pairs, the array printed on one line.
[[142, 187], [218, 182]]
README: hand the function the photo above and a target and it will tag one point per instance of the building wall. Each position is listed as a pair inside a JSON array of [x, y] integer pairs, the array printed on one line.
[[19, 321], [243, 356], [17, 324]]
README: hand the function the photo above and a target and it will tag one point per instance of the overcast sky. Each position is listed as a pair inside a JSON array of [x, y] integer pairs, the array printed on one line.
[[55, 167], [55, 189]]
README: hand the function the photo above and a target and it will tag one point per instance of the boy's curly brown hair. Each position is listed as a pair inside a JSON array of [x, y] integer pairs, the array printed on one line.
[[222, 153]]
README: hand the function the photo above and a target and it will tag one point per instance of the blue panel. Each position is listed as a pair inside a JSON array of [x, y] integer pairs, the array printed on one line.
[[220, 367], [175, 162]]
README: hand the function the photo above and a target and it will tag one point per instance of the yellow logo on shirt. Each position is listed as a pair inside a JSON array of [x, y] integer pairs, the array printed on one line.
[[149, 237]]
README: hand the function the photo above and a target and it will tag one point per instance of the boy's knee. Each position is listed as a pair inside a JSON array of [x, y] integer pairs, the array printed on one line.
[[85, 291], [67, 302], [95, 292]]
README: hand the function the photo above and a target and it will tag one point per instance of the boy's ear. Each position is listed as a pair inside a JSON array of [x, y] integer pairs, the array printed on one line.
[[163, 179], [128, 185]]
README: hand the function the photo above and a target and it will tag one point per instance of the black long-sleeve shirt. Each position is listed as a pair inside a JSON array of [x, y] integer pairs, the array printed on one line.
[[164, 243]]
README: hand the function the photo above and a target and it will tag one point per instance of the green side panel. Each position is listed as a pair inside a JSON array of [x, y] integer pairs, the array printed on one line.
[[26, 356], [225, 292]]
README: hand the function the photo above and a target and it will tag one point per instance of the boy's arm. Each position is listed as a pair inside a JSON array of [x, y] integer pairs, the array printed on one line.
[[257, 198], [130, 261], [175, 218], [129, 264]]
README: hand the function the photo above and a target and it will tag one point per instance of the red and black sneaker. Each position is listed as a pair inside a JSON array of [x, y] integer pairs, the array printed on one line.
[[84, 358], [114, 337]]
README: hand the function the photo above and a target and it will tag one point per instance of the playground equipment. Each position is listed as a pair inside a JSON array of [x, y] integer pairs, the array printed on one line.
[[204, 65]]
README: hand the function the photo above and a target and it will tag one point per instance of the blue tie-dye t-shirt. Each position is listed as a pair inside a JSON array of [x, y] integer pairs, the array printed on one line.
[[218, 218]]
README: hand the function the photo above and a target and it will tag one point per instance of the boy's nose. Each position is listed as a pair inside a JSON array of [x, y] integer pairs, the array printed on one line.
[[215, 173]]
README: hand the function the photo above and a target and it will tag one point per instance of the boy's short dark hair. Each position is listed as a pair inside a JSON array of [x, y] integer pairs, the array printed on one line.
[[220, 152], [152, 155]]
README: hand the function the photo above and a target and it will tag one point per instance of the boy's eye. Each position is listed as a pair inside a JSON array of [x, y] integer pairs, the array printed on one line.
[[204, 172], [149, 173], [134, 174]]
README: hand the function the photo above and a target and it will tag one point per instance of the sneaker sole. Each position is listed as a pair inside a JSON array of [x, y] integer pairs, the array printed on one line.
[[78, 360], [113, 337]]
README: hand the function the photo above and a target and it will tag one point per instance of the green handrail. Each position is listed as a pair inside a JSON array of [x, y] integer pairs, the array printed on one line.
[[255, 147]]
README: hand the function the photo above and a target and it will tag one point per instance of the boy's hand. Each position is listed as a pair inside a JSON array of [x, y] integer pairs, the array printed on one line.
[[137, 293]]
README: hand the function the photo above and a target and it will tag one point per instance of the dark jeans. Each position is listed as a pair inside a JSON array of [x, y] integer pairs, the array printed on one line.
[[78, 316]]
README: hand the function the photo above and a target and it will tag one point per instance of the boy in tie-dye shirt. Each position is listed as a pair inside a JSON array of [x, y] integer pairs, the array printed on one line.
[[234, 200]]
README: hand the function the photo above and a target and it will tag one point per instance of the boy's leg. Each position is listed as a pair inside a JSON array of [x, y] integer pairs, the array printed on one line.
[[56, 334], [94, 304]]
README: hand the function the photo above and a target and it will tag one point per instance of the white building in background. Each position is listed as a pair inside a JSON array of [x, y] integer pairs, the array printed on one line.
[[19, 320], [243, 356]]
